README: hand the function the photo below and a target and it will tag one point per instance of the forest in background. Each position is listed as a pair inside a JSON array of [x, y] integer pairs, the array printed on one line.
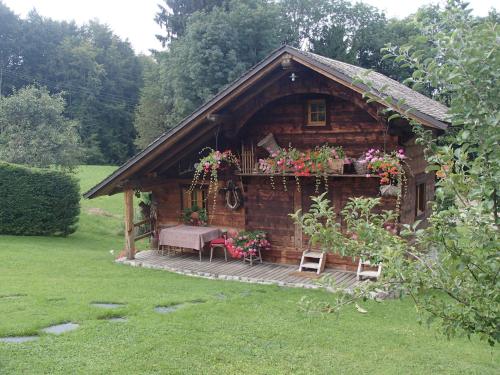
[[98, 73], [119, 102]]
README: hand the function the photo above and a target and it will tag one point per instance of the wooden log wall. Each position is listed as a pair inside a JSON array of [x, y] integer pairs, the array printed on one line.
[[417, 175], [168, 198], [268, 209], [281, 110], [353, 129]]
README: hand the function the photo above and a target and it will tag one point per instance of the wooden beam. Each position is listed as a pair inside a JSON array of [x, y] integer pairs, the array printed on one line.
[[141, 236], [129, 223], [142, 222], [173, 156], [254, 92], [217, 118], [304, 86]]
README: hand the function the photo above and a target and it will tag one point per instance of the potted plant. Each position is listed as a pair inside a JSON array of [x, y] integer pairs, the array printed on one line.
[[247, 245], [195, 216], [389, 167], [319, 162]]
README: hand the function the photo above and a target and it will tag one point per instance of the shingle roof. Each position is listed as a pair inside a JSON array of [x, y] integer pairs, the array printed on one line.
[[390, 87], [425, 109]]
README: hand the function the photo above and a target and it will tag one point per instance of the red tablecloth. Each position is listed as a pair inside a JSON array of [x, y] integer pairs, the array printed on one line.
[[188, 237]]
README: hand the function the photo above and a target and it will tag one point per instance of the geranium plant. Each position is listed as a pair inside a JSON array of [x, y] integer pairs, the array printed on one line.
[[389, 167], [209, 167], [319, 162], [247, 243]]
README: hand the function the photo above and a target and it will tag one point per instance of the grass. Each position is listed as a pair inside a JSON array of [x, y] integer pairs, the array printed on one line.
[[222, 328]]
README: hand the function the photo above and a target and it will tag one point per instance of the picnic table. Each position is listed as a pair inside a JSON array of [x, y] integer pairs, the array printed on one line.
[[188, 237]]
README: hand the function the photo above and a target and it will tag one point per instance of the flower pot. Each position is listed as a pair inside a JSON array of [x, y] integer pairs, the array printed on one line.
[[361, 167], [269, 143], [336, 166], [389, 190]]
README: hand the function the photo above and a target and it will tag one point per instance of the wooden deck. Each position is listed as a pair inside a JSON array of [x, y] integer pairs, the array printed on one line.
[[265, 273]]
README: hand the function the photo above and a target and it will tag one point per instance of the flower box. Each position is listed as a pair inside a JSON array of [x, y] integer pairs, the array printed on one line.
[[335, 166]]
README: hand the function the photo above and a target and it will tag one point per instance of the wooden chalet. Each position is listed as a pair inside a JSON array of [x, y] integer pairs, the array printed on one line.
[[305, 100]]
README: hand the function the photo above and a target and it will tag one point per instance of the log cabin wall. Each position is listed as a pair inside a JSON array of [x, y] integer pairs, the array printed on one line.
[[268, 209], [168, 198], [281, 110], [417, 175], [349, 127]]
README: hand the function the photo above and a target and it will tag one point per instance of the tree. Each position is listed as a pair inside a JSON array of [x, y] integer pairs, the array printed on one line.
[[9, 49], [34, 131], [152, 112], [450, 268], [97, 71], [217, 47], [173, 16], [107, 123]]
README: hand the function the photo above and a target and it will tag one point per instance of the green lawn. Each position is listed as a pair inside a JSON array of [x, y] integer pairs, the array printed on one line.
[[238, 329]]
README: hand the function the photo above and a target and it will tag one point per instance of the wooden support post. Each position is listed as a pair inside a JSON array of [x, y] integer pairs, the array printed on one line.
[[129, 223], [297, 205]]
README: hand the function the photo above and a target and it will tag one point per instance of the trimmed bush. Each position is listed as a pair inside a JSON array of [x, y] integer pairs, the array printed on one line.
[[37, 201]]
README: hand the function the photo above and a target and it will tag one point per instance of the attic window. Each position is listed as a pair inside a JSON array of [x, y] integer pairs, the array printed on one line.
[[316, 112]]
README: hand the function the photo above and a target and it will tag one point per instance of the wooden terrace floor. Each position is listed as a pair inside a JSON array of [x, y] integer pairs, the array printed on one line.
[[265, 273]]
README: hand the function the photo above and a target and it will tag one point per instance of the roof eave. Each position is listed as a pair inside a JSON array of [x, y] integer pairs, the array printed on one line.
[[100, 189], [104, 186], [362, 88]]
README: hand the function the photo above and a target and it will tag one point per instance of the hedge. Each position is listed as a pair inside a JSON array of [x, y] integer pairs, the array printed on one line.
[[37, 201]]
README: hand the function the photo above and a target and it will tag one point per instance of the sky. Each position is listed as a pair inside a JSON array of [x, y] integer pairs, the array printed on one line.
[[134, 19]]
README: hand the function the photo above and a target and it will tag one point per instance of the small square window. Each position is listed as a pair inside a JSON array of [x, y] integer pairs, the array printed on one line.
[[316, 112], [194, 198], [420, 202]]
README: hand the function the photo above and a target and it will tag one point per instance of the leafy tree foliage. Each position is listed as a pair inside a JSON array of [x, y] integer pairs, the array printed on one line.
[[34, 131], [153, 109], [9, 49], [216, 48], [451, 267], [173, 16], [99, 74]]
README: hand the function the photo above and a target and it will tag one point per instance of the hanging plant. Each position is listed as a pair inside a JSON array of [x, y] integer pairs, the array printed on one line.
[[319, 162], [390, 169], [209, 167]]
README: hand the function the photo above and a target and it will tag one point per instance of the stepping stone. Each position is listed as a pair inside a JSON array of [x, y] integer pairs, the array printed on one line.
[[18, 339], [168, 309], [61, 328], [11, 296], [107, 305]]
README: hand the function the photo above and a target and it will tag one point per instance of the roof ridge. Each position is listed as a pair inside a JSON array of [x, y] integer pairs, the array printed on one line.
[[428, 110]]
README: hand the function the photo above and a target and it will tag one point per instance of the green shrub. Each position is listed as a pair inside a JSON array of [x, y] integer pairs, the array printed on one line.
[[37, 202]]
